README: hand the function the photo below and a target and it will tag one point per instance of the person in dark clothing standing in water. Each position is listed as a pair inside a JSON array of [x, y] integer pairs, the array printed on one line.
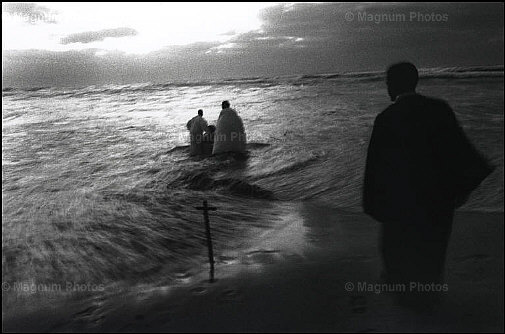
[[420, 167]]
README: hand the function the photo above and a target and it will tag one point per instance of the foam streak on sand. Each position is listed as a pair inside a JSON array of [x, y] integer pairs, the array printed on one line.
[[301, 286]]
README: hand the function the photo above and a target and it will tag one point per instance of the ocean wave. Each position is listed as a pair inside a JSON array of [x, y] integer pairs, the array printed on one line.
[[291, 167], [202, 181], [426, 73], [203, 176], [185, 148]]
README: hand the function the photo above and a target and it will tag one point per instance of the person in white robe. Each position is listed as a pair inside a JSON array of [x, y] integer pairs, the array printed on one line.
[[230, 134], [196, 126]]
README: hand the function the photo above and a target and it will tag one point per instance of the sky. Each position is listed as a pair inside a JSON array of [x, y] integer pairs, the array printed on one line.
[[80, 44]]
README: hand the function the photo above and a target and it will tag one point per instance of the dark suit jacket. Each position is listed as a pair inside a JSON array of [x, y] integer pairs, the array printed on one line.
[[419, 163]]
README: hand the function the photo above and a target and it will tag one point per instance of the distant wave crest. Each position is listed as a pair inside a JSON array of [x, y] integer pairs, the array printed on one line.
[[428, 73]]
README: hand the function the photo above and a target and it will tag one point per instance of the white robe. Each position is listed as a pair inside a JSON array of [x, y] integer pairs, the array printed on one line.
[[196, 126], [230, 135]]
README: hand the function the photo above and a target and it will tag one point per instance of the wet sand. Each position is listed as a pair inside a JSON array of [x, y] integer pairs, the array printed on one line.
[[295, 278]]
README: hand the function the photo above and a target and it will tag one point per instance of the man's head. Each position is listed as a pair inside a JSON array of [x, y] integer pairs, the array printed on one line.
[[401, 78], [225, 104], [211, 129], [200, 112]]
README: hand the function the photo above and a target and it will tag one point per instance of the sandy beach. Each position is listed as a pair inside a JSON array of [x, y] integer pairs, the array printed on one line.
[[309, 274]]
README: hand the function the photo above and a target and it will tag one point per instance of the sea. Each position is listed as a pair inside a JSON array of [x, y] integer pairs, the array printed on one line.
[[98, 186]]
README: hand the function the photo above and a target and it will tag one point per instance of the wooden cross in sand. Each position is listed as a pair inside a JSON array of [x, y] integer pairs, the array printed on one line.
[[206, 209]]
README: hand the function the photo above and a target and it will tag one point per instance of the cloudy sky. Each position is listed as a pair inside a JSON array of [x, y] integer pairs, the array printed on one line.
[[77, 44]]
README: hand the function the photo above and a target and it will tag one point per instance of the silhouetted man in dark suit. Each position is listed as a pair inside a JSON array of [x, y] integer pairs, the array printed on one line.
[[420, 167]]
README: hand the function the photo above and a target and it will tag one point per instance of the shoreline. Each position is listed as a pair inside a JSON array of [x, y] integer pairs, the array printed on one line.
[[293, 279]]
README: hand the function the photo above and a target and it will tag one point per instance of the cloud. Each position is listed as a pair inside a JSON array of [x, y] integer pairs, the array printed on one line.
[[96, 36], [320, 37], [32, 13], [42, 68], [329, 18], [293, 39]]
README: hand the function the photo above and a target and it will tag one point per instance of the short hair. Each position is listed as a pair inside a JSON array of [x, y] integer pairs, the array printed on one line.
[[403, 75], [211, 128], [200, 112], [225, 104]]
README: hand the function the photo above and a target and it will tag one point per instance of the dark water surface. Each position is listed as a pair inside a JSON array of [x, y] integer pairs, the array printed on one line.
[[98, 187]]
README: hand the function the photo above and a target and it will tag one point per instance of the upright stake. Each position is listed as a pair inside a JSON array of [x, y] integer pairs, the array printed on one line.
[[206, 209]]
